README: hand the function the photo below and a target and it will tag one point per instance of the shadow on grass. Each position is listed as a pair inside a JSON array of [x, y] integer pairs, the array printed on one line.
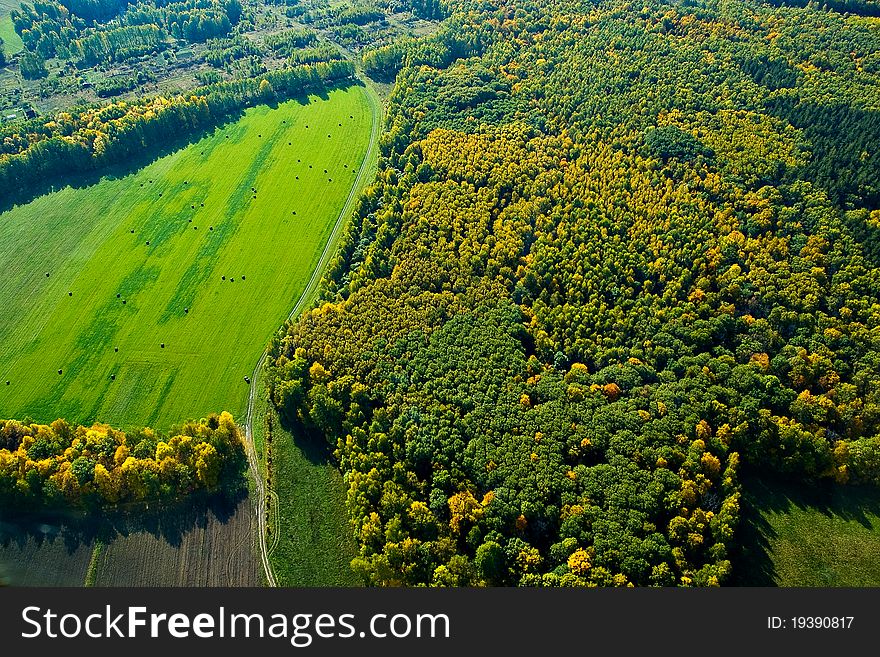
[[753, 560], [170, 522], [311, 443], [174, 142]]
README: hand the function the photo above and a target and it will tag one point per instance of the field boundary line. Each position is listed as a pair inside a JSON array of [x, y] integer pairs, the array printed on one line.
[[329, 247]]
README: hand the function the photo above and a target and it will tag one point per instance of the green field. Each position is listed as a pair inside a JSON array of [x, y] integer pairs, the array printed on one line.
[[310, 540], [11, 41], [822, 535], [163, 239]]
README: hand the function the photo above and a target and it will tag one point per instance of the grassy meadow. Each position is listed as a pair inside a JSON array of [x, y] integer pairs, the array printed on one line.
[[11, 41], [310, 540], [145, 299], [821, 535]]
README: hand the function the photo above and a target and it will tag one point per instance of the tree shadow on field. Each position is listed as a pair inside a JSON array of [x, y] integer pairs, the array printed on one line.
[[763, 494], [22, 195], [114, 171], [169, 522], [752, 561], [310, 442]]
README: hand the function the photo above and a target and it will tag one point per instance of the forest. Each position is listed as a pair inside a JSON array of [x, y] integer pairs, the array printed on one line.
[[71, 31], [614, 255], [63, 466]]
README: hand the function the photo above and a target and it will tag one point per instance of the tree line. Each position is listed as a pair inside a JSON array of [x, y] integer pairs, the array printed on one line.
[[63, 465], [38, 151], [448, 44]]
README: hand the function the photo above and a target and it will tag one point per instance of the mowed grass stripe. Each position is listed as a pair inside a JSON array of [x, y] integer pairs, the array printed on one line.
[[12, 43], [268, 241]]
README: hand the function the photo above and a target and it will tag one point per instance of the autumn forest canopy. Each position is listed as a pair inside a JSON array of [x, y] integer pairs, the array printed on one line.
[[62, 466], [615, 254]]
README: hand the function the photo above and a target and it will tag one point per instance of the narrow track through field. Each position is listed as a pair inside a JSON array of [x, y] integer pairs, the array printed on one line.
[[253, 463]]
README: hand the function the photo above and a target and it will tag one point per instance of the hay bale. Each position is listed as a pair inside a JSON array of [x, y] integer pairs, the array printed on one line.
[[60, 371], [112, 377], [148, 242], [242, 278], [223, 277], [118, 296], [123, 302], [70, 294], [116, 349], [162, 346], [186, 310], [47, 274], [210, 228]]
